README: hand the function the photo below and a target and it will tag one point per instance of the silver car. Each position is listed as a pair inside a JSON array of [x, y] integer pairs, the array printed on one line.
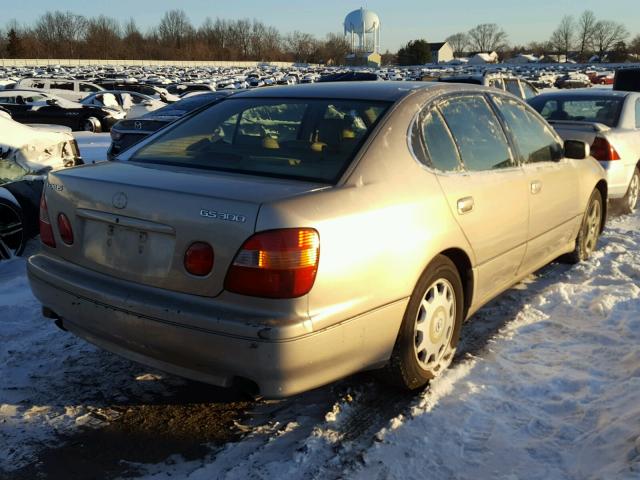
[[294, 235], [609, 121]]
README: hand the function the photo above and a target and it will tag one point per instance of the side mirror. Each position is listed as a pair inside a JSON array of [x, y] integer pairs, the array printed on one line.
[[576, 149]]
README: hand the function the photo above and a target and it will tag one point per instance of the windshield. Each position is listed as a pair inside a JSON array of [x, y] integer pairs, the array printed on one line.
[[605, 110], [304, 139]]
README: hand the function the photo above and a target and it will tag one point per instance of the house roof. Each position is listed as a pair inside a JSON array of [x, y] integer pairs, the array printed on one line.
[[436, 46]]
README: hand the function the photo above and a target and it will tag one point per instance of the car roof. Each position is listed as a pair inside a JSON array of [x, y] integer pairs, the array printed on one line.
[[380, 91], [586, 92]]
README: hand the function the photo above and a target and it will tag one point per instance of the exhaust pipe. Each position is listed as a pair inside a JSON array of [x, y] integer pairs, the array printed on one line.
[[48, 313]]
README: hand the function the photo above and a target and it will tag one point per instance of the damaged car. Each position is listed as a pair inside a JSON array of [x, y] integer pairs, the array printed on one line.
[[26, 156]]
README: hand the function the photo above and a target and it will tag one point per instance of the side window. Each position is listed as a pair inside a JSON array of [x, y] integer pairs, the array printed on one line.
[[477, 133], [496, 83], [442, 152], [10, 171], [535, 141], [85, 87], [513, 87], [528, 90], [62, 85], [37, 85], [638, 113]]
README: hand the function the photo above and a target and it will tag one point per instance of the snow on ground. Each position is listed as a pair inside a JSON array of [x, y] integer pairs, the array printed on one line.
[[93, 146], [546, 387]]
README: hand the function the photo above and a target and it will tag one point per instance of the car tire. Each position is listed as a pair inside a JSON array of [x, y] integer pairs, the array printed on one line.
[[430, 330], [629, 202], [92, 124], [13, 235], [587, 239]]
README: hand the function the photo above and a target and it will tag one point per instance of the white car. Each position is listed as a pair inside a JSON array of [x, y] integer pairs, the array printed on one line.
[[26, 156], [607, 120], [134, 104]]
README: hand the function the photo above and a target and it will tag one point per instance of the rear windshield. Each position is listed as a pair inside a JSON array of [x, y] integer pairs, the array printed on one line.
[[605, 110], [181, 107], [304, 139]]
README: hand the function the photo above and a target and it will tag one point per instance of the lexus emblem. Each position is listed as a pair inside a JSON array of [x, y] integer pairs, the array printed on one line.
[[119, 200], [137, 125]]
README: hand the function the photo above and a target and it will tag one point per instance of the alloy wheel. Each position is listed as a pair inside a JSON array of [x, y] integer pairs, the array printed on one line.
[[11, 232], [434, 324]]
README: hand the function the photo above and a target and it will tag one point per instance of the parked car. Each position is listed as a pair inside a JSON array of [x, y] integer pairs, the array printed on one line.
[[73, 90], [518, 86], [573, 80], [134, 104], [128, 132], [609, 121], [285, 238], [33, 106], [154, 91], [627, 79], [26, 155]]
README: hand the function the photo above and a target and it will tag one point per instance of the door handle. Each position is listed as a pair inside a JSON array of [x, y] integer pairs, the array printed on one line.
[[465, 205], [536, 187]]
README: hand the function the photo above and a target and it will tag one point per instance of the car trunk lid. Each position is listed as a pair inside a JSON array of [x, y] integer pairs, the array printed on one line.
[[136, 222]]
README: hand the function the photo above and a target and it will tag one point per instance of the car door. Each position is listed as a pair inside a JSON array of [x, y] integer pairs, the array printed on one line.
[[485, 188], [553, 183]]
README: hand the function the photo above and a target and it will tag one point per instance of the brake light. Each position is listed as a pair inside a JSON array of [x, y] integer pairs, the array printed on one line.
[[46, 232], [198, 259], [276, 264], [64, 227], [602, 150]]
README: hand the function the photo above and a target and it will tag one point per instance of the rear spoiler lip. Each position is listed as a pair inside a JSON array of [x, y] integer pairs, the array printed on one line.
[[595, 126]]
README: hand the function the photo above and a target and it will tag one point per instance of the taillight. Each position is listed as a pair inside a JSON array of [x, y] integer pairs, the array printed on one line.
[[64, 227], [602, 150], [46, 232], [198, 259], [276, 264]]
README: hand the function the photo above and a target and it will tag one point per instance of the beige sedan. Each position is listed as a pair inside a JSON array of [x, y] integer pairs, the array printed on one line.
[[290, 236]]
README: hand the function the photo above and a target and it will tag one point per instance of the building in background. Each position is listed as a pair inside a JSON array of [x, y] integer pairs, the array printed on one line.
[[441, 52], [362, 30]]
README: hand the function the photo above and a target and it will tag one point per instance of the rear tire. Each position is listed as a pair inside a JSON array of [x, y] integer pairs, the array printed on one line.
[[629, 202], [430, 330], [13, 237], [92, 124], [587, 240]]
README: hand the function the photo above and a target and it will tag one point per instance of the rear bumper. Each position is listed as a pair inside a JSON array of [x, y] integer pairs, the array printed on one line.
[[195, 338], [619, 174]]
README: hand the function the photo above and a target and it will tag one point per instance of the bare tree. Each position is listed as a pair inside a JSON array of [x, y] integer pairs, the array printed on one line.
[[174, 28], [586, 26], [102, 37], [335, 48], [301, 46], [487, 37], [606, 35], [634, 47], [459, 42], [60, 33], [562, 38]]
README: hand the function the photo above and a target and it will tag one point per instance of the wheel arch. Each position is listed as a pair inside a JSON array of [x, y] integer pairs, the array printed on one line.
[[603, 188], [463, 264]]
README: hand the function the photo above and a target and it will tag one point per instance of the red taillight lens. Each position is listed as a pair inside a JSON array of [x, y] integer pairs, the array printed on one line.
[[46, 232], [64, 227], [198, 259], [276, 264], [602, 150]]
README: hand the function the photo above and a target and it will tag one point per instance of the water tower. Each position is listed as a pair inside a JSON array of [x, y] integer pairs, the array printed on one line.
[[362, 29]]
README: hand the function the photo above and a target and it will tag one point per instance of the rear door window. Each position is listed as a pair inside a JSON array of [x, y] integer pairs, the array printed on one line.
[[535, 141], [477, 133], [528, 90], [303, 139], [513, 86]]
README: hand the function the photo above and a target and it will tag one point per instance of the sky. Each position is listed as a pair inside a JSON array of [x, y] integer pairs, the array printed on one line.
[[401, 20]]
